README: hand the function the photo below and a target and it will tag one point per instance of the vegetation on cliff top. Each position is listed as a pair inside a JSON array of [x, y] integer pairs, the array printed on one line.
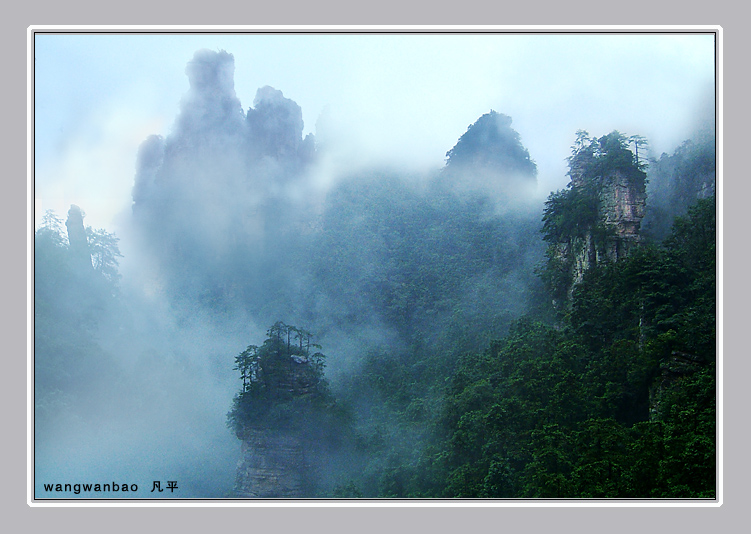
[[284, 388], [575, 217]]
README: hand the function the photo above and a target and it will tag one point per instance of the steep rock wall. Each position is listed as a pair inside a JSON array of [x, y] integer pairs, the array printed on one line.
[[276, 425], [79, 245], [272, 465], [622, 204]]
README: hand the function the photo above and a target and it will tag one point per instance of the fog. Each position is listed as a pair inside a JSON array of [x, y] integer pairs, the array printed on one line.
[[402, 98], [383, 192]]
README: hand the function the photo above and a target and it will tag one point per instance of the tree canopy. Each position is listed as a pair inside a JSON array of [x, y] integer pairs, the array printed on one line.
[[619, 402], [283, 382]]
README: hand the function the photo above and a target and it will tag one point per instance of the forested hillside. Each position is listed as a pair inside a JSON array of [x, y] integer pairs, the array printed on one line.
[[617, 401], [479, 342]]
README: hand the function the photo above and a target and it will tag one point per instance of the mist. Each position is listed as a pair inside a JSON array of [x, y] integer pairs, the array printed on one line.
[[398, 259]]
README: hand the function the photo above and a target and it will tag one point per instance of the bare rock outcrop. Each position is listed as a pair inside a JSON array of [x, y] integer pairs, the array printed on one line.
[[272, 465], [79, 244]]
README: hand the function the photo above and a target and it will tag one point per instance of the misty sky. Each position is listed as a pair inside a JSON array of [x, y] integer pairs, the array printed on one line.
[[395, 99]]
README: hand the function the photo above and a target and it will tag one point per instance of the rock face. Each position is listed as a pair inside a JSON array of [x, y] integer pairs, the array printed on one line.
[[272, 466], [213, 194], [79, 244], [621, 202], [273, 458], [622, 205], [275, 125], [277, 416]]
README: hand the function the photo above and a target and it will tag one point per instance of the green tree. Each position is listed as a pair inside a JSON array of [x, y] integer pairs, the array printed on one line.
[[51, 229], [247, 363], [105, 252], [283, 384]]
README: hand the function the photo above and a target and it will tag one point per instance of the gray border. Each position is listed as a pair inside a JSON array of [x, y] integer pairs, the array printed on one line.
[[581, 519]]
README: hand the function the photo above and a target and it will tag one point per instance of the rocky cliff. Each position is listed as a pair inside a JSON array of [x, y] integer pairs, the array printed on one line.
[[598, 217], [213, 197], [79, 244], [273, 450], [278, 415], [272, 465], [622, 201]]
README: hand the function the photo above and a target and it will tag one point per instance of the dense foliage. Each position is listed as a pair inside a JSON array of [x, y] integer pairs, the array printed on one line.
[[616, 400], [283, 384], [618, 403], [428, 265]]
